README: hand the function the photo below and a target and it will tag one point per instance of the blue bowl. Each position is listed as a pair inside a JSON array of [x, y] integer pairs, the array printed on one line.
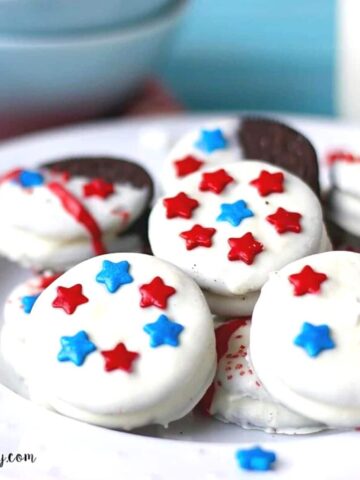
[[64, 16], [80, 76]]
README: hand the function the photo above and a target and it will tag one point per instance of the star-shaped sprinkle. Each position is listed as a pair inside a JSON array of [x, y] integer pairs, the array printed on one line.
[[307, 281], [114, 274], [180, 206], [215, 181], [30, 178], [268, 183], [234, 213], [244, 248], [187, 165], [163, 332], [69, 298], [156, 293], [119, 358], [211, 140], [198, 236], [75, 349], [28, 301], [255, 458], [285, 221], [314, 339], [98, 187]]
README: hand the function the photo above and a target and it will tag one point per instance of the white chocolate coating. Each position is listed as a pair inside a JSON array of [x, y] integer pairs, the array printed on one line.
[[240, 398], [40, 253], [39, 232], [186, 146], [17, 323], [166, 381], [243, 305], [344, 210], [210, 267], [345, 176], [231, 305], [344, 199], [326, 387], [39, 211]]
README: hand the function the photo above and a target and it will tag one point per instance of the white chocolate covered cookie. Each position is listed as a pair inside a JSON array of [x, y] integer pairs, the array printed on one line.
[[343, 204], [17, 319], [307, 355], [129, 342], [230, 227], [237, 395], [232, 139], [65, 212]]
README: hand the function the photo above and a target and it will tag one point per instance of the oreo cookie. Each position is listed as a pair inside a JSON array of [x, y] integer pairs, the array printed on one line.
[[280, 145], [110, 169], [228, 140]]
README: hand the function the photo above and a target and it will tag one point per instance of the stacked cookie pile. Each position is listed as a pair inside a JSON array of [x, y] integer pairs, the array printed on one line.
[[239, 244]]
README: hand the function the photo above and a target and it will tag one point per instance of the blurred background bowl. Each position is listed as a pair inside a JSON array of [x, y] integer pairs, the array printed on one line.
[[64, 16], [48, 81]]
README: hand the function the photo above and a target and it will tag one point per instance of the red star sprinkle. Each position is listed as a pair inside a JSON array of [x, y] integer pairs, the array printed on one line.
[[307, 281], [98, 188], [268, 183], [187, 165], [69, 298], [285, 221], [155, 293], [198, 236], [215, 181], [180, 206], [119, 358], [244, 248]]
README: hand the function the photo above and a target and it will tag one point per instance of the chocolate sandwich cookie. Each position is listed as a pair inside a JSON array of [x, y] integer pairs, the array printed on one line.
[[230, 227], [232, 139], [280, 145], [310, 311], [129, 342], [68, 210], [109, 169], [237, 395], [343, 199]]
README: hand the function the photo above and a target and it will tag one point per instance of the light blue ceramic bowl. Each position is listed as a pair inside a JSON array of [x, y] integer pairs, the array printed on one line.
[[89, 74], [63, 16]]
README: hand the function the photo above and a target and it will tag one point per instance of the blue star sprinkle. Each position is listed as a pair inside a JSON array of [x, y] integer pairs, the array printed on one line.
[[255, 459], [234, 213], [29, 178], [164, 332], [211, 140], [314, 339], [28, 302], [114, 275], [75, 349]]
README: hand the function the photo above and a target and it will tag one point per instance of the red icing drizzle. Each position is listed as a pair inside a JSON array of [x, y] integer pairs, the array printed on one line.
[[222, 335], [11, 175], [341, 156], [44, 282], [75, 208]]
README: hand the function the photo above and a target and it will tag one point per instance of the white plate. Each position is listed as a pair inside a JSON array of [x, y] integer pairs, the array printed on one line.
[[195, 447]]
